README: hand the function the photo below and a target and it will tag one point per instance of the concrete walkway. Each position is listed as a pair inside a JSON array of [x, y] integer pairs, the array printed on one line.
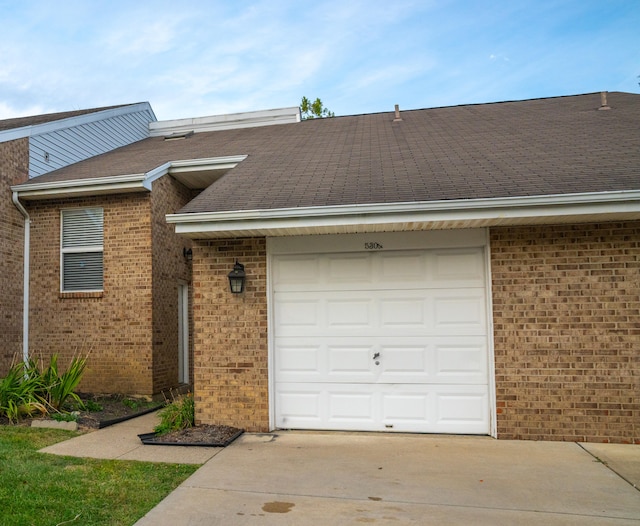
[[298, 478], [121, 442]]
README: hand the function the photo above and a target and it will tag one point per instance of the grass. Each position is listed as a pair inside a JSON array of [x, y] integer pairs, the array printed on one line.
[[37, 488]]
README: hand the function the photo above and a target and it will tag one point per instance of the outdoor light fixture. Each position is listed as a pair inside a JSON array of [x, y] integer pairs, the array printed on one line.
[[237, 278], [187, 253]]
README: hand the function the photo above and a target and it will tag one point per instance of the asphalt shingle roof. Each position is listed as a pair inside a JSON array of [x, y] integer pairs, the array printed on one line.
[[551, 146], [21, 122]]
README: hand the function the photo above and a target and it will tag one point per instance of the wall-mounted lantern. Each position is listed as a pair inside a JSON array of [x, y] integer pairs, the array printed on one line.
[[237, 278], [187, 253]]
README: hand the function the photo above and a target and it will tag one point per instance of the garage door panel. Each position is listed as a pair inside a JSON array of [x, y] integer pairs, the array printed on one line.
[[405, 363], [351, 362], [388, 360], [348, 314], [463, 410], [354, 270], [381, 341], [298, 359], [459, 268], [380, 270], [404, 313], [462, 362], [326, 360], [462, 312], [357, 313], [399, 408], [346, 406], [404, 409], [300, 407], [403, 268], [299, 314], [297, 271]]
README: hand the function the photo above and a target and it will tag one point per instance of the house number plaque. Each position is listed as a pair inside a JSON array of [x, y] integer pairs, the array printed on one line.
[[373, 246]]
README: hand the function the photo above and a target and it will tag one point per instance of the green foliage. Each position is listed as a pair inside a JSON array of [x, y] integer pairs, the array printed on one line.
[[19, 392], [130, 403], [179, 414], [93, 406], [58, 387], [52, 489], [25, 390], [314, 110], [65, 417]]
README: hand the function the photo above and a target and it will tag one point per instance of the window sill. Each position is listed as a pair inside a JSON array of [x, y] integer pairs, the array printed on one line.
[[81, 295]]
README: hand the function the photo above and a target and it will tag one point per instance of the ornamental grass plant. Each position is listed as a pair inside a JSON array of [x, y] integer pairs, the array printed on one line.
[[179, 414], [28, 389]]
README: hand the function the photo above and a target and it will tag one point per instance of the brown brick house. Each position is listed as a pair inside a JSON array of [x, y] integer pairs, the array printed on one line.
[[470, 269], [109, 277], [29, 148]]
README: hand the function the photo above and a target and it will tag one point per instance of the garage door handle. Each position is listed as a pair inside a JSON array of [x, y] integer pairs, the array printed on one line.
[[376, 355]]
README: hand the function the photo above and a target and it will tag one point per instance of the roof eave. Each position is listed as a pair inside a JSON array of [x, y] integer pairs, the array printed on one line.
[[62, 124], [468, 213], [81, 187], [117, 184]]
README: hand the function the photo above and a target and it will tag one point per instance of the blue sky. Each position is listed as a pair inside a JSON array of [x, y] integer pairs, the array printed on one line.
[[193, 58]]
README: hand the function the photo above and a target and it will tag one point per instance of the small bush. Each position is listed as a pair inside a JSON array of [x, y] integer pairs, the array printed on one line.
[[25, 390], [58, 387], [179, 414], [19, 392]]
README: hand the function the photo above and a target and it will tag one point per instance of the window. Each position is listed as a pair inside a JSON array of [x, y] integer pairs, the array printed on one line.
[[81, 249]]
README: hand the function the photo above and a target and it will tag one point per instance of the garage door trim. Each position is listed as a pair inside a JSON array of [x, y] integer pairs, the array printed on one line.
[[359, 243]]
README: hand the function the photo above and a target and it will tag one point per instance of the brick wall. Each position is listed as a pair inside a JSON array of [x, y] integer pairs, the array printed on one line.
[[230, 335], [566, 305], [113, 326], [14, 169], [169, 269]]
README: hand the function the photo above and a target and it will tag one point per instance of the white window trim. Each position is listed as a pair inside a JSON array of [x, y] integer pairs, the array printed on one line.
[[78, 250]]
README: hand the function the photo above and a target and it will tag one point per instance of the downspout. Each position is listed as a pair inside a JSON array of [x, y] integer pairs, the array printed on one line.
[[25, 279]]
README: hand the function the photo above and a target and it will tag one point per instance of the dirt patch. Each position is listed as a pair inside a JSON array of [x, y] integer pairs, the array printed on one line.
[[106, 410]]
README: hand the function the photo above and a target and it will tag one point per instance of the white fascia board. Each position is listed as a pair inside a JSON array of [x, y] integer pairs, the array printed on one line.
[[70, 188], [213, 163], [120, 183], [62, 124], [155, 174], [226, 122], [455, 211]]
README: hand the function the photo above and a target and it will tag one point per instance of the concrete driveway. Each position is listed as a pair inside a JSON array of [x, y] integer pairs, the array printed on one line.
[[298, 478]]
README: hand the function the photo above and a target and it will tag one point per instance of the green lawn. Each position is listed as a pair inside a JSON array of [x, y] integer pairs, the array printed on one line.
[[42, 489]]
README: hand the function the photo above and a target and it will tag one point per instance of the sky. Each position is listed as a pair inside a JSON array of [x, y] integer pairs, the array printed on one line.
[[192, 58]]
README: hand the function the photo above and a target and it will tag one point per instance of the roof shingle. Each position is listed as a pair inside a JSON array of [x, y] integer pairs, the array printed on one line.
[[539, 147]]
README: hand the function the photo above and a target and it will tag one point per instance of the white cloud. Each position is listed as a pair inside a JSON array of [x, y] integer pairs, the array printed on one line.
[[210, 56]]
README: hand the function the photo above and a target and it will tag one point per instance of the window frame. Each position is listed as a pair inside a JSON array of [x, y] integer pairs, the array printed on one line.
[[79, 249]]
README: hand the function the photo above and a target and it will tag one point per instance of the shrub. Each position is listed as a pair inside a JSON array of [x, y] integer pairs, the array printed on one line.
[[19, 392], [179, 414], [25, 390], [57, 388]]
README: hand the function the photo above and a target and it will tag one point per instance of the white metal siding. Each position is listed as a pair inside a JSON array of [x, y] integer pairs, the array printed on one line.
[[59, 148]]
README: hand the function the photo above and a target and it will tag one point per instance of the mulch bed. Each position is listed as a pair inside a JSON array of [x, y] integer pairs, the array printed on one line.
[[114, 410], [204, 435], [118, 408]]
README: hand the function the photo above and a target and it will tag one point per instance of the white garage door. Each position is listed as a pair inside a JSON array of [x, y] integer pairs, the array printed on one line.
[[392, 340]]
